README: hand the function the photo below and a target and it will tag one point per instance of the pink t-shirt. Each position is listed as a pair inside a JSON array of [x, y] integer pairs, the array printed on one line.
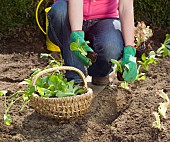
[[100, 9]]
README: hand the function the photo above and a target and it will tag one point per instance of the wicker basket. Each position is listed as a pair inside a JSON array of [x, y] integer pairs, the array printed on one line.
[[66, 108]]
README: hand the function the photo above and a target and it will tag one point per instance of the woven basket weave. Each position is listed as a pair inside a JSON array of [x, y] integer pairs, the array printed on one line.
[[65, 108]]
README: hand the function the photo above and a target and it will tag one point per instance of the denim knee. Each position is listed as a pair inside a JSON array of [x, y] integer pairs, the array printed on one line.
[[58, 11]]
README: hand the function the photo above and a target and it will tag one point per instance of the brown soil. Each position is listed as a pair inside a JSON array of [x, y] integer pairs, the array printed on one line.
[[115, 115]]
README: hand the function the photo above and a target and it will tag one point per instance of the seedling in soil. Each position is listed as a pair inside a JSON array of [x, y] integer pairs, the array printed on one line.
[[119, 71], [52, 61], [124, 85], [140, 76], [12, 99], [162, 109], [164, 50], [147, 60], [7, 117], [142, 33], [157, 123]]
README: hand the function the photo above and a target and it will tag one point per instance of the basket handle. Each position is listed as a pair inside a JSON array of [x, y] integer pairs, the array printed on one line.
[[59, 68], [36, 15]]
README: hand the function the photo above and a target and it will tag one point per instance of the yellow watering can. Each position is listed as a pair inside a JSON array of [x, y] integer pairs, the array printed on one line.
[[50, 46]]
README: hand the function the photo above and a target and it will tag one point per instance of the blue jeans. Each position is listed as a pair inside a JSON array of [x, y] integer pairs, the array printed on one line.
[[104, 36]]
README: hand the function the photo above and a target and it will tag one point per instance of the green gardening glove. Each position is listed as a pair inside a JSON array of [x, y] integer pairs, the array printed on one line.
[[91, 55], [129, 64]]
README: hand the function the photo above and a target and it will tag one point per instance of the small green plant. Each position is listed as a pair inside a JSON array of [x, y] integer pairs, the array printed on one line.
[[12, 99], [119, 70], [157, 123], [162, 109], [76, 46], [147, 60], [124, 85], [163, 106], [164, 50], [52, 62], [140, 76], [7, 117]]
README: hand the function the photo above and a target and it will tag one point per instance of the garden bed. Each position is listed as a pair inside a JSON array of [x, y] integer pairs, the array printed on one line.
[[115, 114]]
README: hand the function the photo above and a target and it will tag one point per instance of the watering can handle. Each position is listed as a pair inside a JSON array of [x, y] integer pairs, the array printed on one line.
[[37, 17]]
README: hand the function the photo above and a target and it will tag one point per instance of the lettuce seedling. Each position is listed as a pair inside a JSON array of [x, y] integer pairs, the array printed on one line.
[[52, 61], [12, 99], [118, 69], [124, 85], [7, 117], [140, 76], [142, 33], [162, 109], [164, 50], [147, 60], [76, 46], [157, 123]]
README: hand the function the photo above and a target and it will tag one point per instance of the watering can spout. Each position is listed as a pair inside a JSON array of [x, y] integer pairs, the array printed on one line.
[[50, 45]]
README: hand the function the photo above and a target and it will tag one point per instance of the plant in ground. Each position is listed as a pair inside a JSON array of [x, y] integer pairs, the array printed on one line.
[[124, 85], [142, 33], [119, 70], [164, 50], [140, 75], [147, 60], [50, 85], [162, 109]]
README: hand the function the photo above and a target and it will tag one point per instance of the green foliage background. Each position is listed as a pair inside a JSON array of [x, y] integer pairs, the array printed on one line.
[[21, 13], [155, 13]]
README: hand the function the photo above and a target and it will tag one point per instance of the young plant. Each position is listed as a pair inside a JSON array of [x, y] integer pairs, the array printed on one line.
[[162, 109], [76, 46], [147, 60], [7, 117], [52, 61], [124, 85], [142, 33], [164, 50], [157, 123], [12, 99], [140, 76], [119, 71]]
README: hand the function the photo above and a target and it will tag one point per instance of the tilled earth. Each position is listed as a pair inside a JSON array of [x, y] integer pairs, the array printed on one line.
[[115, 115]]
